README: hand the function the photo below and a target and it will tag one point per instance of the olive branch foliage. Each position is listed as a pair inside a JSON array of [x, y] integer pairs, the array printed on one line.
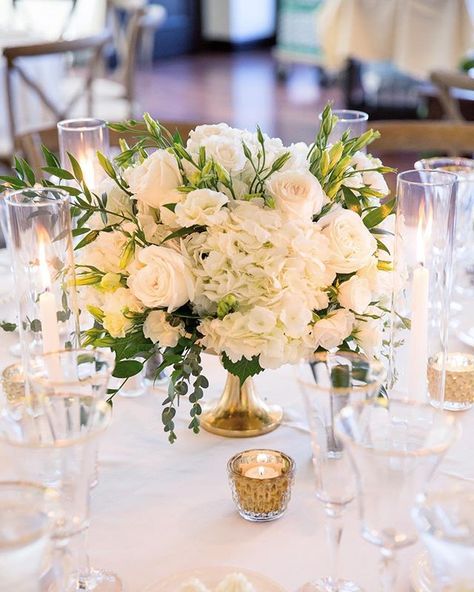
[[330, 164]]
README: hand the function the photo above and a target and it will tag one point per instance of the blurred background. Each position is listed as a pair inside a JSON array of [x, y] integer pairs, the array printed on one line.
[[272, 62]]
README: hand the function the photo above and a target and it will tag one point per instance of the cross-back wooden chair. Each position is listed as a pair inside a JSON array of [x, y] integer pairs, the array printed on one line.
[[93, 46], [73, 3], [448, 85], [30, 143]]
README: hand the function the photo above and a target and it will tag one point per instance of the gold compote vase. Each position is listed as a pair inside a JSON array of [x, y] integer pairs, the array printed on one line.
[[240, 412]]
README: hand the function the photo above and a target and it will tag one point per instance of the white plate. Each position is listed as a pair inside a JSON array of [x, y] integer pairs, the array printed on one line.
[[211, 577]]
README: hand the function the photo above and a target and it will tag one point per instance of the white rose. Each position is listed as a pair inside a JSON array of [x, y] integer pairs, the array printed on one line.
[[368, 334], [373, 179], [355, 294], [165, 280], [203, 207], [226, 151], [297, 193], [351, 243], [330, 332], [155, 181], [157, 328]]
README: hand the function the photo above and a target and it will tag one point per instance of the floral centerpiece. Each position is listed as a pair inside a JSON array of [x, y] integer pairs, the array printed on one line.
[[230, 242]]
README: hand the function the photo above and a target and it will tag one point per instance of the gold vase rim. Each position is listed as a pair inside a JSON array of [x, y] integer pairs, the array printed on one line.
[[289, 472]]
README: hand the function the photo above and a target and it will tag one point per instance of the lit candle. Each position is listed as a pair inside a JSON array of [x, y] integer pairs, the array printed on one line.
[[88, 162], [48, 312], [418, 362], [261, 469]]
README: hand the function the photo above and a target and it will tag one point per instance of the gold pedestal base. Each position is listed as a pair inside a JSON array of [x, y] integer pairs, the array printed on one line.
[[240, 413]]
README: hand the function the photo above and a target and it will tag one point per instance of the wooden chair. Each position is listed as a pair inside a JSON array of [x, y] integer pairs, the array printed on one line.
[[92, 46], [30, 143], [403, 142], [451, 87]]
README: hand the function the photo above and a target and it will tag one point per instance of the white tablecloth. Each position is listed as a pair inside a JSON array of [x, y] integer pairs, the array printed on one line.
[[161, 508], [417, 36]]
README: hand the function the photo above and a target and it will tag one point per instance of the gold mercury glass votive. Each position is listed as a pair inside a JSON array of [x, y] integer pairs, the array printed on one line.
[[459, 386], [261, 482], [13, 384]]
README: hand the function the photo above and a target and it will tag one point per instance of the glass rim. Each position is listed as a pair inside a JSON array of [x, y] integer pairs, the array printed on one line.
[[449, 420], [451, 178], [62, 197], [100, 406], [106, 356], [359, 115], [466, 166], [288, 459], [81, 124], [322, 357]]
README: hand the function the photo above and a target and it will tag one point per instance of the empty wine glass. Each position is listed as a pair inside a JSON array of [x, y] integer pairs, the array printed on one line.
[[394, 447], [329, 382], [25, 535], [445, 522], [53, 443]]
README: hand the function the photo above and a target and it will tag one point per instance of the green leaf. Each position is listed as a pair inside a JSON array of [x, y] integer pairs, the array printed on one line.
[[127, 368], [58, 172], [7, 326], [243, 368], [351, 199], [76, 167], [183, 232], [89, 238], [379, 214], [382, 247]]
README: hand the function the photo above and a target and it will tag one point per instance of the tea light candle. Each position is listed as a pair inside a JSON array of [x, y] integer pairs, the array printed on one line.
[[459, 380], [261, 483]]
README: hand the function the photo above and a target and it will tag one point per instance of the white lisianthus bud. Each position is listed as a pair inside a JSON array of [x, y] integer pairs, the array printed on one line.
[[201, 206], [297, 193], [155, 182], [330, 332], [160, 331], [355, 294]]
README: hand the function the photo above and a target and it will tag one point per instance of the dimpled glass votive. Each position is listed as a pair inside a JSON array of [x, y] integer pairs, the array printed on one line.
[[261, 483]]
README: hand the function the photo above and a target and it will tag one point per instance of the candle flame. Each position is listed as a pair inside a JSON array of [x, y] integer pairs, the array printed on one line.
[[424, 229], [86, 162], [261, 471], [43, 240]]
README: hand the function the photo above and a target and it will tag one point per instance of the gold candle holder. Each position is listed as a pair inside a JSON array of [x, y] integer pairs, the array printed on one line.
[[261, 482], [13, 383], [459, 383]]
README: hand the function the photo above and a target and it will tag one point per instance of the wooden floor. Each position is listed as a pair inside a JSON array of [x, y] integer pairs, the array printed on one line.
[[241, 89]]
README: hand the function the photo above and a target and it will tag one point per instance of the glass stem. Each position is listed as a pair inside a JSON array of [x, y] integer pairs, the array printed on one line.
[[388, 570], [81, 571], [334, 528]]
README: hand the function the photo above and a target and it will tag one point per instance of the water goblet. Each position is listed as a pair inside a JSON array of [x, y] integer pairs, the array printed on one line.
[[445, 522], [394, 447], [25, 536], [53, 442], [329, 382]]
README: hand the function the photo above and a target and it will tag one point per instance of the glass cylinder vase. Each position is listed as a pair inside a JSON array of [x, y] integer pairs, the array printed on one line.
[[422, 274], [83, 138], [40, 242]]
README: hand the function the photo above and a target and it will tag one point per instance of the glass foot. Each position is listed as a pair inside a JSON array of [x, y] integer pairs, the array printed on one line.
[[97, 581], [330, 585]]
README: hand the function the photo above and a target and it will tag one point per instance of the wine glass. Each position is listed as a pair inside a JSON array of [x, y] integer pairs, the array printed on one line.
[[53, 442], [445, 522], [329, 382], [25, 535], [395, 446]]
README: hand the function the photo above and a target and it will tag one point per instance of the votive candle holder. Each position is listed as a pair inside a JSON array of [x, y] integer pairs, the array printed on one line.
[[261, 482]]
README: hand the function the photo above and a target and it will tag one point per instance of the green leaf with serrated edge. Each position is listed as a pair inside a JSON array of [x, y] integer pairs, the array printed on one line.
[[243, 368], [127, 368], [378, 215]]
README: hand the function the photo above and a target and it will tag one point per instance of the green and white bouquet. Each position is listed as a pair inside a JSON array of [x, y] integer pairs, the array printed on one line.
[[228, 241]]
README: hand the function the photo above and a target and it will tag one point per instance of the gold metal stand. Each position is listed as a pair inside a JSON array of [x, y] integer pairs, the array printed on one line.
[[240, 413]]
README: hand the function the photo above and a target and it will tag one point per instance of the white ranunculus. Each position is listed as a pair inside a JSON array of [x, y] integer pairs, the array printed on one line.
[[164, 280], [297, 193], [373, 179], [330, 332], [369, 334], [226, 151], [160, 331], [351, 243], [355, 294], [203, 207], [155, 181]]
